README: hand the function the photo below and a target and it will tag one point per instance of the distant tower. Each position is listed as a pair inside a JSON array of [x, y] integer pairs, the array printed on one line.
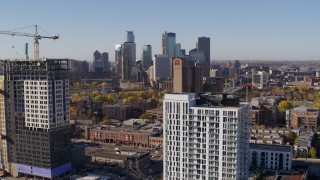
[[128, 58], [203, 44], [237, 64], [105, 59], [177, 50], [168, 43], [197, 55], [130, 36], [96, 55], [146, 56], [183, 52], [161, 65], [117, 58], [98, 64]]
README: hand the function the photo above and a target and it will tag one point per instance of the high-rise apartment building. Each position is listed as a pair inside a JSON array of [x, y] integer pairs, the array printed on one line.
[[168, 43], [4, 149], [187, 76], [146, 56], [36, 128], [128, 60], [206, 138], [130, 36], [203, 45]]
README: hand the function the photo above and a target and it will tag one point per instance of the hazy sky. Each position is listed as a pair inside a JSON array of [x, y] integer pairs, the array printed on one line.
[[239, 29]]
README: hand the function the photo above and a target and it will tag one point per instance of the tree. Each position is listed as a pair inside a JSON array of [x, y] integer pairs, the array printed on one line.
[[303, 88], [310, 96], [145, 116], [76, 97], [76, 85], [73, 111], [105, 121], [313, 152], [262, 126], [296, 140], [104, 84], [95, 93], [94, 84], [318, 129], [289, 137], [284, 105]]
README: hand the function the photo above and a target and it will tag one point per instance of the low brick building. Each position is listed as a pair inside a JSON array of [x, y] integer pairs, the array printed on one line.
[[145, 137], [156, 114], [155, 142], [119, 111], [303, 117]]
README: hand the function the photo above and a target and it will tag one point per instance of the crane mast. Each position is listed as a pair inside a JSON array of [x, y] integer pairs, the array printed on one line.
[[36, 37]]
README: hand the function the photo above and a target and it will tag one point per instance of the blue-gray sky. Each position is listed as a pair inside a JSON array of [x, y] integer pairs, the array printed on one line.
[[239, 29]]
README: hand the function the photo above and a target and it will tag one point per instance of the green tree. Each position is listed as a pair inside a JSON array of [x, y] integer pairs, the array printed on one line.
[[76, 97], [99, 98], [94, 84], [313, 152], [145, 116], [289, 137], [284, 105], [105, 121], [104, 84], [296, 140], [310, 96], [95, 93], [303, 88], [73, 111]]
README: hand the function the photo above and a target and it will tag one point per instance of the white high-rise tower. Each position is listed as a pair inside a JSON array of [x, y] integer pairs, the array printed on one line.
[[206, 138]]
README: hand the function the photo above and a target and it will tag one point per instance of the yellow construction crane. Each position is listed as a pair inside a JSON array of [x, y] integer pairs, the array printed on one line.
[[36, 38]]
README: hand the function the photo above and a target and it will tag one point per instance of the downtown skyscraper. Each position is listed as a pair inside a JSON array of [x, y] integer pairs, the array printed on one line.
[[35, 127], [205, 138], [203, 45], [168, 43], [146, 56], [130, 36], [128, 57]]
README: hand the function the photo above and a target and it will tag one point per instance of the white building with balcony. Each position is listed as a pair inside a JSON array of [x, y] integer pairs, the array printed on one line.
[[206, 138]]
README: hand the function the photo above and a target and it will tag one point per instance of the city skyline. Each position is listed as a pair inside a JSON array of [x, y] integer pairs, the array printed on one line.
[[245, 30]]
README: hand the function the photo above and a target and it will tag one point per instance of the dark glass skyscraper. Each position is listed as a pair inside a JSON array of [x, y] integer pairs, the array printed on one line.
[[203, 44], [128, 60], [146, 56], [130, 36], [168, 43]]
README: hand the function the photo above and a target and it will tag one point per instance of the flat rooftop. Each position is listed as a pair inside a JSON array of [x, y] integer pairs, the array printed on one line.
[[139, 128], [270, 147]]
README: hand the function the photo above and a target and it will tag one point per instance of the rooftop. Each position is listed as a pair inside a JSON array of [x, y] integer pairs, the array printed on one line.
[[132, 125], [270, 147]]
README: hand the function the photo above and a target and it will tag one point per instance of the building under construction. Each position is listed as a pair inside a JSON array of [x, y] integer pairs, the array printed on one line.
[[34, 118]]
